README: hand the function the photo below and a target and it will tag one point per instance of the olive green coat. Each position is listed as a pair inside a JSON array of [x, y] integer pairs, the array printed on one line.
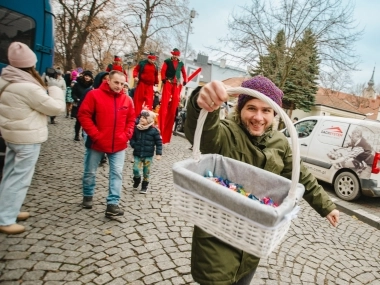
[[214, 262]]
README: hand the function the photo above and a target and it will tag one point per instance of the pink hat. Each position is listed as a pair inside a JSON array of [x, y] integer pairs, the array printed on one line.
[[21, 56]]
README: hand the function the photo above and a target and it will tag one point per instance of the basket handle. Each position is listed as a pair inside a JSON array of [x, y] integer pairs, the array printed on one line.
[[288, 123]]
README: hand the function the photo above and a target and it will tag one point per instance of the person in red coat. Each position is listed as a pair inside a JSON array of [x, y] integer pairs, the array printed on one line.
[[171, 71], [146, 76], [117, 65], [108, 117]]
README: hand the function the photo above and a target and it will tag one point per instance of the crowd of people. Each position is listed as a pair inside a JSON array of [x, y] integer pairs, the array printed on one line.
[[112, 115]]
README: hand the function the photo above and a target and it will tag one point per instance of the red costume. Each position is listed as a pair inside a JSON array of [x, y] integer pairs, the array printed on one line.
[[147, 73], [171, 71], [117, 66]]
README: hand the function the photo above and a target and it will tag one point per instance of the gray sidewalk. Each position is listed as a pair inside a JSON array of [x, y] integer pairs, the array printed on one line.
[[65, 244]]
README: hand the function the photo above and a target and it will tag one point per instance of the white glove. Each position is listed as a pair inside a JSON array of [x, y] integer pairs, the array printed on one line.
[[51, 81]]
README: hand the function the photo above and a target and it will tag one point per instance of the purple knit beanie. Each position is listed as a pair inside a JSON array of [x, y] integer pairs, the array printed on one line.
[[264, 86]]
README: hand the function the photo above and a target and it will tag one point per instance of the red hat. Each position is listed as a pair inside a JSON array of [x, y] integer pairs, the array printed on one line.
[[176, 52], [152, 56], [117, 58]]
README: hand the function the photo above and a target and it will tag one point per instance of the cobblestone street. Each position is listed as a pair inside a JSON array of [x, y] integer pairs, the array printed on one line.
[[65, 244]]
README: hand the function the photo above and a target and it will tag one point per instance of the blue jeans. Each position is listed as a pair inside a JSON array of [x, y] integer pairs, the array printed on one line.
[[145, 163], [116, 164], [19, 164]]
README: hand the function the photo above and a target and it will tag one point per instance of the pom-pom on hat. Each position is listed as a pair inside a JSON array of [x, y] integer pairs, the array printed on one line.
[[264, 86], [117, 58], [21, 56], [176, 52], [148, 115]]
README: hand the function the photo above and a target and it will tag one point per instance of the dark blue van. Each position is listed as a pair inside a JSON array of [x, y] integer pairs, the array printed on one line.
[[29, 22]]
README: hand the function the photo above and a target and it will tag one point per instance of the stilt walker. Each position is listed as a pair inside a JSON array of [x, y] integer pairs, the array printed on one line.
[[171, 71], [146, 76]]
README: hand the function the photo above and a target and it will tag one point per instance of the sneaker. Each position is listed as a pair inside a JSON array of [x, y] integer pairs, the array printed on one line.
[[144, 187], [76, 138], [87, 202], [113, 210], [136, 182]]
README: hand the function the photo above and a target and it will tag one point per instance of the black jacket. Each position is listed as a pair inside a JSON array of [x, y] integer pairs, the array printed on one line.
[[143, 142]]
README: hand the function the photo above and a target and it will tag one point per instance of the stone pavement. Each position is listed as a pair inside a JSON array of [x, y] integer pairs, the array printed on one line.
[[65, 244], [366, 209]]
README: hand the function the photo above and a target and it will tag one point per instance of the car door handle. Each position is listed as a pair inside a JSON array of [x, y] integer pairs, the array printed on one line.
[[303, 144]]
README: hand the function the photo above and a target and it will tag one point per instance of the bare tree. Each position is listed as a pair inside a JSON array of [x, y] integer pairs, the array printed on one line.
[[254, 26], [338, 81], [75, 21], [357, 89], [154, 24], [106, 41]]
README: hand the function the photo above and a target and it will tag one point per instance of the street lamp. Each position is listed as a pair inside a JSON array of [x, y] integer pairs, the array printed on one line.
[[192, 16]]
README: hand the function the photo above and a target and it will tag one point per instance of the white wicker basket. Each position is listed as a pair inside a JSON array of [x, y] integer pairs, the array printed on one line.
[[233, 218]]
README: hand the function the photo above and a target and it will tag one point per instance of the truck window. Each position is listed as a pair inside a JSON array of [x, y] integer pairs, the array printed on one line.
[[14, 27], [305, 128], [29, 22]]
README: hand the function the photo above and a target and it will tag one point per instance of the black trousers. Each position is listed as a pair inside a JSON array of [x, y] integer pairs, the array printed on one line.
[[77, 127]]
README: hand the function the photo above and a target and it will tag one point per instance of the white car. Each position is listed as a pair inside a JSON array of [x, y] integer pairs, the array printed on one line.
[[343, 152]]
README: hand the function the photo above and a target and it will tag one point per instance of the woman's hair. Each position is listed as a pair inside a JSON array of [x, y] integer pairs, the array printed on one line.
[[32, 71]]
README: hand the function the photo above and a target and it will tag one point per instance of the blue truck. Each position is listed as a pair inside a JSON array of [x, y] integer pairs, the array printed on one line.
[[32, 23], [29, 22]]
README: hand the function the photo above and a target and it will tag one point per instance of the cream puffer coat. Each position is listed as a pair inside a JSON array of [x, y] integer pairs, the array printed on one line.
[[23, 111]]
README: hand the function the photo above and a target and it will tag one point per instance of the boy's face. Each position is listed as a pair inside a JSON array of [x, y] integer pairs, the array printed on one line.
[[143, 120]]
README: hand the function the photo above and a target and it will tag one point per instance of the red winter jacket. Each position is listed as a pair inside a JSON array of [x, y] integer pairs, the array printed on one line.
[[108, 118]]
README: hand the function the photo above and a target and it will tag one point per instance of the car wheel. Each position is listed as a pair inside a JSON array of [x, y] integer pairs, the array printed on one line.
[[347, 187], [180, 125]]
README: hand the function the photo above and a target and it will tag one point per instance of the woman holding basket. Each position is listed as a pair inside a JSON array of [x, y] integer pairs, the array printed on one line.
[[247, 136]]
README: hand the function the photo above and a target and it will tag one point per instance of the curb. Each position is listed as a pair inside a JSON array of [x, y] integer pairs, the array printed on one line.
[[359, 214]]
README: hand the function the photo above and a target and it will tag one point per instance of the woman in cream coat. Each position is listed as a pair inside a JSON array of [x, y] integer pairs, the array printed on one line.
[[24, 104]]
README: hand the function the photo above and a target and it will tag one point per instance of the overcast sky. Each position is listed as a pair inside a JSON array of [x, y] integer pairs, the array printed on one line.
[[211, 24]]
